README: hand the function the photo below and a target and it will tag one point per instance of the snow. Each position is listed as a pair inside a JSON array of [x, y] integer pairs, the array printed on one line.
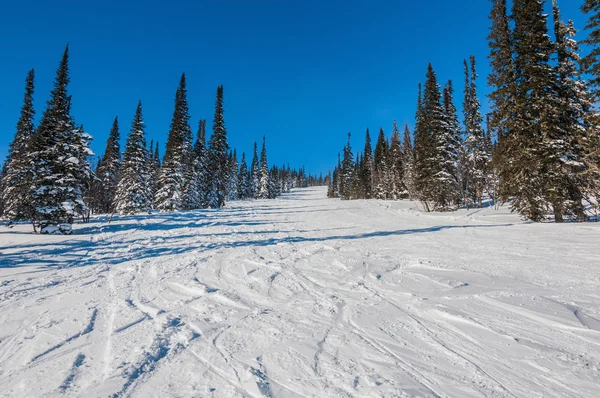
[[302, 296]]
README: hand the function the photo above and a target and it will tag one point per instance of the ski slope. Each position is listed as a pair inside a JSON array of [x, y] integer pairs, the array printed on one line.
[[302, 296]]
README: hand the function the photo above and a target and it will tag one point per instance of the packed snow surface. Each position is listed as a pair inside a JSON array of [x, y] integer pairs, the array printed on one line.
[[302, 296]]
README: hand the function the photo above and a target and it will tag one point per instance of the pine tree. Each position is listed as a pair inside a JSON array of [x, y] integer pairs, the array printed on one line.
[[134, 193], [477, 154], [59, 152], [17, 174], [449, 143], [217, 156], [175, 171], [565, 146], [398, 189], [254, 174], [591, 63], [534, 109], [244, 179], [502, 79], [431, 182], [233, 188], [263, 187], [367, 169], [381, 167], [3, 173], [347, 172], [407, 162], [197, 185], [108, 170]]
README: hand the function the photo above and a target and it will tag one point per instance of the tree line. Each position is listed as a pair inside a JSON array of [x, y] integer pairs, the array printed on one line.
[[539, 149], [48, 179]]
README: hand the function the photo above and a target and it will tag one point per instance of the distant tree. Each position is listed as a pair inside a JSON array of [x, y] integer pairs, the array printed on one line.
[[263, 188], [233, 188], [198, 183], [347, 173], [407, 162], [244, 180], [395, 160], [134, 193], [108, 171], [254, 174], [381, 167], [367, 169]]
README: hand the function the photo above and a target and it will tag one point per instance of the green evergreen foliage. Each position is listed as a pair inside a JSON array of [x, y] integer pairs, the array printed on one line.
[[217, 156], [17, 175], [59, 158], [175, 177], [134, 192]]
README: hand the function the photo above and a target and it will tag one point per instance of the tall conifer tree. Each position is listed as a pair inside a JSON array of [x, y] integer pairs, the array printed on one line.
[[18, 174]]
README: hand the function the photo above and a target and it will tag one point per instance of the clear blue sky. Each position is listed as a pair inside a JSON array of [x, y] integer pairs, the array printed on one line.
[[302, 72]]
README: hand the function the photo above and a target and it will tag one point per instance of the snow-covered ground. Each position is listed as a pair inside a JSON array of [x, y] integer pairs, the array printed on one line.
[[303, 297]]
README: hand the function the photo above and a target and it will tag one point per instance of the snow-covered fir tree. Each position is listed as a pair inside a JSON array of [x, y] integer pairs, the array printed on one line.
[[17, 172], [171, 194], [198, 181], [367, 169], [244, 180], [397, 188], [233, 176], [591, 62], [407, 162], [347, 172], [217, 156], [59, 160], [477, 156], [264, 177], [381, 167], [134, 192], [564, 157], [254, 173], [108, 171]]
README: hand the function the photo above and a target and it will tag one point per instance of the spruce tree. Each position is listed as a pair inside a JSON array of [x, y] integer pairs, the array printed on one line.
[[449, 143], [17, 173], [244, 179], [502, 80], [366, 172], [254, 174], [430, 179], [477, 152], [534, 109], [408, 162], [591, 63], [197, 184], [134, 193], [381, 167], [565, 147], [217, 156], [172, 181], [233, 187], [59, 152], [108, 171], [398, 189], [347, 172], [263, 187]]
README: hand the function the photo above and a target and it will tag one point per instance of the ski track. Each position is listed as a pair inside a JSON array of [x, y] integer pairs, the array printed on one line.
[[302, 297]]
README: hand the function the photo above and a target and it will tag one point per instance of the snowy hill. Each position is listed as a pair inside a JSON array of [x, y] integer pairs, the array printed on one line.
[[302, 297]]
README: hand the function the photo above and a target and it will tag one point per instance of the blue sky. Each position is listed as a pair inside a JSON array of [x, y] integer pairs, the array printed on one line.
[[301, 72]]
